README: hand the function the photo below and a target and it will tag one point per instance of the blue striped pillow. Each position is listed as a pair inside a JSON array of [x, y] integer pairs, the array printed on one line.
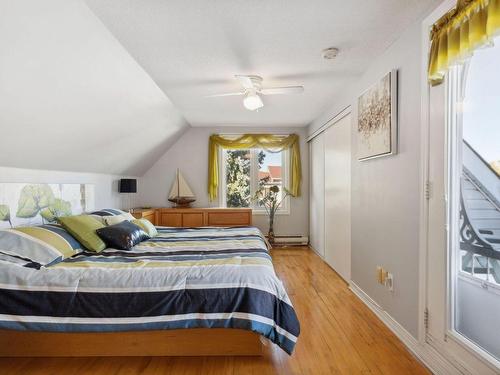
[[106, 212], [42, 245]]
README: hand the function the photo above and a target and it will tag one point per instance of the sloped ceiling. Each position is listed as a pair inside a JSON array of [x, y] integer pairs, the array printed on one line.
[[72, 98], [194, 48]]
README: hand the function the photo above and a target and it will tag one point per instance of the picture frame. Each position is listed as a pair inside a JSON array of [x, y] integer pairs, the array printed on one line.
[[377, 125]]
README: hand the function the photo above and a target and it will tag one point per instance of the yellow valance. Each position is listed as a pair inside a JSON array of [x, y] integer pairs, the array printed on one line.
[[267, 142], [470, 25]]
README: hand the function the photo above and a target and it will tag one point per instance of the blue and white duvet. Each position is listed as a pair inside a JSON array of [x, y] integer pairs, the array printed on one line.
[[184, 278]]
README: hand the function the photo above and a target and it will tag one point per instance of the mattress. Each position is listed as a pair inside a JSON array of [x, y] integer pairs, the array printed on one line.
[[184, 278]]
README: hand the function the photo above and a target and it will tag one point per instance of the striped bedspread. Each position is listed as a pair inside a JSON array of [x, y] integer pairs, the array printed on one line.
[[184, 278]]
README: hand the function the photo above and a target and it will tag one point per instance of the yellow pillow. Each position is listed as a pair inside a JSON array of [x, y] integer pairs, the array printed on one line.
[[83, 228], [146, 226]]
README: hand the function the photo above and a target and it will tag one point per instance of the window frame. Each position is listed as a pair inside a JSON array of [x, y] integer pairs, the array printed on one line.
[[455, 81], [254, 180]]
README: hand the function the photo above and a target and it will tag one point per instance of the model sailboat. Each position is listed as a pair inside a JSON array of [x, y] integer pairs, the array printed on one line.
[[181, 194]]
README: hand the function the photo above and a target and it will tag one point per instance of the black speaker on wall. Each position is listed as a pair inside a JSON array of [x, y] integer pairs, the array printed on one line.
[[128, 185]]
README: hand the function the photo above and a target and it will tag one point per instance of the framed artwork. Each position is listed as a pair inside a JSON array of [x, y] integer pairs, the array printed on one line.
[[378, 119], [23, 204]]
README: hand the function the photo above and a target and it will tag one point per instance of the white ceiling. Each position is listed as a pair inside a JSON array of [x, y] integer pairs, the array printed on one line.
[[193, 48], [72, 98]]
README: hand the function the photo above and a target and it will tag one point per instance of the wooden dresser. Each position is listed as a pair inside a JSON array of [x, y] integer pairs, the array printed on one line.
[[200, 217], [195, 217]]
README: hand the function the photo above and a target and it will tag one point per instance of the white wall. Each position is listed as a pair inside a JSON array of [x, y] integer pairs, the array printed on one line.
[[190, 154], [106, 185], [386, 191]]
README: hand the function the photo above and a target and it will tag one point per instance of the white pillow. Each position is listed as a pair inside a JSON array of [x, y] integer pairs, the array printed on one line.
[[129, 216], [117, 219]]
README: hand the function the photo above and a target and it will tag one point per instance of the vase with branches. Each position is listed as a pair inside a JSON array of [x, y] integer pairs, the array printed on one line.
[[270, 198]]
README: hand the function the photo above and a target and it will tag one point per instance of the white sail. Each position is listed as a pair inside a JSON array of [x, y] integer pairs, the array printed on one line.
[[180, 188]]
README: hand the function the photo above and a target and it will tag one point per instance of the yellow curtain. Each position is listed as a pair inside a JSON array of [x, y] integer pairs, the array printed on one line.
[[470, 25], [265, 141]]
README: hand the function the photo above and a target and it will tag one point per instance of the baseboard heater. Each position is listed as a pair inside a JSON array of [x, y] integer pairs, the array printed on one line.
[[291, 240]]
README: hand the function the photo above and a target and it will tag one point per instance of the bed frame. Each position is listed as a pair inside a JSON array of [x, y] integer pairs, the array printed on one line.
[[180, 342]]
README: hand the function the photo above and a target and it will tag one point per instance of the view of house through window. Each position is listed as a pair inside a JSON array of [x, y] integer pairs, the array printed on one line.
[[270, 170], [246, 171], [475, 206]]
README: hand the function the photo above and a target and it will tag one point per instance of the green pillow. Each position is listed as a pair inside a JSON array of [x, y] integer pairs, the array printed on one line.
[[146, 226], [83, 228]]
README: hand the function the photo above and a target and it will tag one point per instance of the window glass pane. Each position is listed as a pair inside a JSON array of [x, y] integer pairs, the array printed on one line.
[[246, 171], [480, 270], [466, 259], [481, 106], [237, 165], [494, 271], [476, 166], [271, 170]]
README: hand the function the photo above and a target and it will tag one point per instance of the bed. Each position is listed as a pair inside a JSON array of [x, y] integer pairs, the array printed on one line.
[[188, 291]]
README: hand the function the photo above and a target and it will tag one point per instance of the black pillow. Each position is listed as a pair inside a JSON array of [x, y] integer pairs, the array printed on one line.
[[122, 236]]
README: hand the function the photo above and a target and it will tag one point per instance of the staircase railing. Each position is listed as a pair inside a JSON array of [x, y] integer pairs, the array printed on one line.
[[477, 249], [470, 239]]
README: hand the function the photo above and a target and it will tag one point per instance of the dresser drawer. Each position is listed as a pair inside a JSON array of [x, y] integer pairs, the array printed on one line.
[[170, 219], [193, 219], [229, 218]]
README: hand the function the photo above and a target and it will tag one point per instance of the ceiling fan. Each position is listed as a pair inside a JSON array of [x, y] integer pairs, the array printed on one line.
[[252, 90]]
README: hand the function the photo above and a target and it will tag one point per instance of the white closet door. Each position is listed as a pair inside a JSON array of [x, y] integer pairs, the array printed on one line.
[[337, 143], [317, 195]]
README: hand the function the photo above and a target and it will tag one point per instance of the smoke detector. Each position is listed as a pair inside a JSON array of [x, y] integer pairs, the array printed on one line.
[[330, 53]]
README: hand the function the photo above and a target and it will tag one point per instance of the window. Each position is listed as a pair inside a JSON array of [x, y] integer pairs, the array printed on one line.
[[474, 203], [246, 171]]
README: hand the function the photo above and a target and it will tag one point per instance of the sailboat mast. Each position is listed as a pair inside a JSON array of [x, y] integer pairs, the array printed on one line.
[[178, 185]]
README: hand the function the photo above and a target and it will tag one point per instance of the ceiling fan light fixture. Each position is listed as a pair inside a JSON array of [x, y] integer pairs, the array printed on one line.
[[252, 101]]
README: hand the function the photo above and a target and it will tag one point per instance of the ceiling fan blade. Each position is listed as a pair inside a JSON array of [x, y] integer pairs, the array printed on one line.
[[245, 81], [283, 90], [228, 94]]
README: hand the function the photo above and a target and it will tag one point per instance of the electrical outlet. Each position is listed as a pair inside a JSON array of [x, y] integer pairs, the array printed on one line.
[[389, 281], [385, 278]]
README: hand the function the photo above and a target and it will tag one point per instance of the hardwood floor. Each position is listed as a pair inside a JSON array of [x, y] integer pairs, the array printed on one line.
[[339, 335]]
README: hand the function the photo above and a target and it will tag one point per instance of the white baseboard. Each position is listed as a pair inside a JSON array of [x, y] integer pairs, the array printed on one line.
[[317, 252], [432, 359]]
